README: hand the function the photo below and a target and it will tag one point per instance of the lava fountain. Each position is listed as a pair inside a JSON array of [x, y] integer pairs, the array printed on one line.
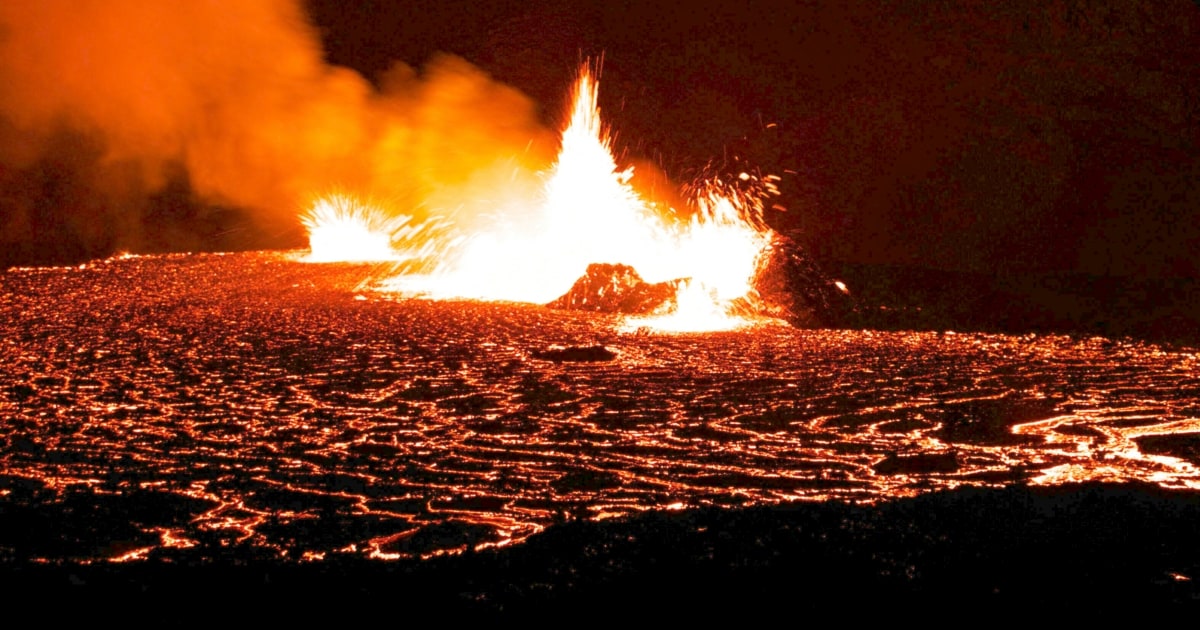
[[343, 229], [587, 212]]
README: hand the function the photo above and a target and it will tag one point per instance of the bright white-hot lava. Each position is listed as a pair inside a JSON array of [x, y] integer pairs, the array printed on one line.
[[344, 229], [588, 212]]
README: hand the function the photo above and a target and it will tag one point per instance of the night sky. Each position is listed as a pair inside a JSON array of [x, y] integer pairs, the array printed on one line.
[[1017, 136], [1002, 138]]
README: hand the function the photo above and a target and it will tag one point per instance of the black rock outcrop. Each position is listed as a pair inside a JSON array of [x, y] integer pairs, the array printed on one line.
[[793, 288], [576, 354], [615, 288]]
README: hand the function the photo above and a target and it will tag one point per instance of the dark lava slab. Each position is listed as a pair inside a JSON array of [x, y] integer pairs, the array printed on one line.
[[917, 463], [990, 421], [1182, 445], [579, 354]]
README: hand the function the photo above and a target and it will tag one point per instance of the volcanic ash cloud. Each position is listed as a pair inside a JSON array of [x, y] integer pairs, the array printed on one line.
[[108, 103]]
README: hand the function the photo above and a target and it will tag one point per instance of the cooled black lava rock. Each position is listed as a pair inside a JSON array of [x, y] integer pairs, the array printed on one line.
[[615, 288], [794, 289], [576, 353], [917, 464]]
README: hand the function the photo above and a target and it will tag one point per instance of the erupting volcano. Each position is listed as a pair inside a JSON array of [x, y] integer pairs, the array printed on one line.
[[468, 396], [588, 216]]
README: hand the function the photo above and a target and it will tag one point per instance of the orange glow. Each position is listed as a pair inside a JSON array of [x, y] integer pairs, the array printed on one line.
[[237, 96], [531, 245]]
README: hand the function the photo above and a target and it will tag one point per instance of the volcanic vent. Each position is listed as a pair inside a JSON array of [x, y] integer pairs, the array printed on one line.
[[589, 240]]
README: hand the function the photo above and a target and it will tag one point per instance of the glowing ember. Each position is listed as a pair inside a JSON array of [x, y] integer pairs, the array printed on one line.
[[587, 212]]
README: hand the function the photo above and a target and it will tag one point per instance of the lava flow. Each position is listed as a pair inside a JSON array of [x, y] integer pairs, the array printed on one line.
[[586, 212]]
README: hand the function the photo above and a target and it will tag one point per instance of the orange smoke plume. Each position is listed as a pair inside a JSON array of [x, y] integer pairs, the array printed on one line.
[[109, 103]]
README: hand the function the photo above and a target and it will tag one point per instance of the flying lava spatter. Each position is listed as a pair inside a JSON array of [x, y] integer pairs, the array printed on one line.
[[587, 212], [343, 229]]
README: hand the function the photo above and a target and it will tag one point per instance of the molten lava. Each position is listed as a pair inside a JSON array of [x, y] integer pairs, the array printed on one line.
[[587, 212], [342, 229]]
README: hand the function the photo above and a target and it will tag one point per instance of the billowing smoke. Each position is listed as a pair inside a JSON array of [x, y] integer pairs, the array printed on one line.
[[160, 125]]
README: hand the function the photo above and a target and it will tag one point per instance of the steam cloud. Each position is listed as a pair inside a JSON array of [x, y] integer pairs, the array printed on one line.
[[144, 125]]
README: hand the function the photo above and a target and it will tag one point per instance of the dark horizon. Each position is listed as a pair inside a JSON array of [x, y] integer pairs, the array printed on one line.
[[1028, 137]]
